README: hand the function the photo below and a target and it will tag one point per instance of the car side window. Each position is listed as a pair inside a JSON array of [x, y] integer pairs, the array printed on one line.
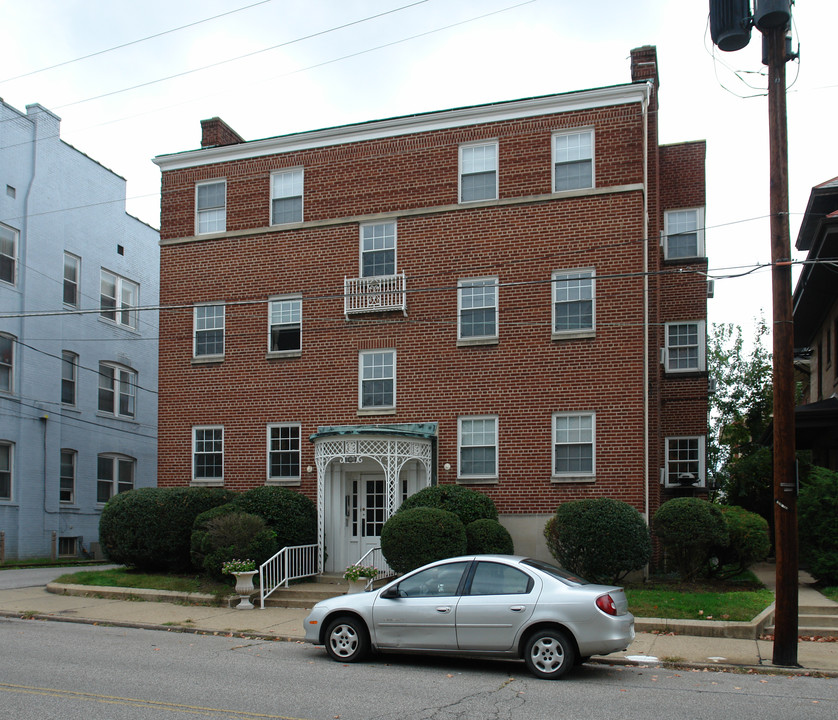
[[434, 582], [496, 579]]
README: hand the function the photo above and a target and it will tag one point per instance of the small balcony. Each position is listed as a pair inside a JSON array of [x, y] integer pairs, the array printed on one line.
[[374, 294]]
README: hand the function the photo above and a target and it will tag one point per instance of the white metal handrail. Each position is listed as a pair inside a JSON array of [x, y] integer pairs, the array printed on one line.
[[374, 294], [290, 563], [375, 557]]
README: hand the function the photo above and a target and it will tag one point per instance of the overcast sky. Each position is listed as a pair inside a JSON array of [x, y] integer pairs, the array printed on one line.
[[308, 64]]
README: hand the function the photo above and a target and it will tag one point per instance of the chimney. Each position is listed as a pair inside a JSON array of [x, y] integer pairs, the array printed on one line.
[[644, 64], [215, 132]]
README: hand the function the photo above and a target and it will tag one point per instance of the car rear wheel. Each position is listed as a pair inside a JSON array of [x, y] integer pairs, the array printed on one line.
[[549, 654], [347, 640]]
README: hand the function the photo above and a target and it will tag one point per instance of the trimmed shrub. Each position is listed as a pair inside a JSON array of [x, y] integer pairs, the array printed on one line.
[[690, 529], [817, 509], [488, 536], [150, 528], [467, 504], [291, 515], [601, 539], [749, 541], [420, 535], [231, 535]]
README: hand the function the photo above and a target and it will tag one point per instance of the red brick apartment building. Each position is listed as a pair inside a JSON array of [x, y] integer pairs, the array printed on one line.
[[510, 296]]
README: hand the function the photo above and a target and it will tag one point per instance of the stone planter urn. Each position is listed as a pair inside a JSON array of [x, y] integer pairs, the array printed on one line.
[[244, 587], [359, 585]]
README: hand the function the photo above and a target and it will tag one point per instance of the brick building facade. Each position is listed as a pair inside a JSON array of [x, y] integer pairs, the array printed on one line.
[[509, 296]]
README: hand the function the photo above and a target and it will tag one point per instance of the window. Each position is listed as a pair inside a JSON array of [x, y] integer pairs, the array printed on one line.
[[684, 461], [378, 249], [478, 309], [573, 160], [117, 390], [114, 474], [285, 325], [683, 234], [573, 302], [209, 331], [208, 454], [211, 206], [478, 447], [684, 350], [8, 253], [68, 547], [7, 363], [287, 197], [378, 379], [118, 299], [574, 444], [496, 579], [69, 369], [478, 172], [435, 581], [283, 452], [67, 479], [5, 471], [72, 266]]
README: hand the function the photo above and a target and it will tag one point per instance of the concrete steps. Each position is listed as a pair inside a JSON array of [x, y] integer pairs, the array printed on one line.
[[308, 594], [814, 620]]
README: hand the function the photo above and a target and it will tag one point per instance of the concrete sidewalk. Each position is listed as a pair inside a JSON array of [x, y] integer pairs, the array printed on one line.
[[171, 611]]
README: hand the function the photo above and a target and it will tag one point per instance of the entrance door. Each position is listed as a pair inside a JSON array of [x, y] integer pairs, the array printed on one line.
[[368, 498]]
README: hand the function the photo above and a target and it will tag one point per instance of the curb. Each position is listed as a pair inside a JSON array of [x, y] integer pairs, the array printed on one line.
[[117, 593]]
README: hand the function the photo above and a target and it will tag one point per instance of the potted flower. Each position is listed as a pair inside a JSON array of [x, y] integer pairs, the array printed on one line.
[[243, 570], [359, 576]]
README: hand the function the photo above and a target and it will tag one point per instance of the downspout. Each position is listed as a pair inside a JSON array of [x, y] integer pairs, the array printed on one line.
[[646, 463]]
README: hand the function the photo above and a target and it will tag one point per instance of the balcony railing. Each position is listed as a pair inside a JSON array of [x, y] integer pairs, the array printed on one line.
[[374, 294]]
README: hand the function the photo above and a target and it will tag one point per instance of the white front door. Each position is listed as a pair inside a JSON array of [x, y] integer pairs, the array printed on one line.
[[368, 506]]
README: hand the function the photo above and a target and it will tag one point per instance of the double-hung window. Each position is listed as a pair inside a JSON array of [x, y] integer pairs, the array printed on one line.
[[287, 197], [478, 309], [67, 478], [7, 363], [117, 390], [683, 234], [208, 455], [8, 254], [684, 461], [478, 172], [573, 160], [69, 371], [118, 299], [574, 453], [114, 474], [211, 207], [285, 325], [377, 379], [573, 302], [284, 452], [378, 249], [6, 453], [478, 447], [72, 266], [685, 347], [209, 331]]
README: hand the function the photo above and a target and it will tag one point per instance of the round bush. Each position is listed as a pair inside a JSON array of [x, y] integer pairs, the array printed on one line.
[[467, 504], [601, 539], [223, 537], [488, 537], [749, 541], [421, 535], [690, 529], [817, 509], [150, 528], [291, 515]]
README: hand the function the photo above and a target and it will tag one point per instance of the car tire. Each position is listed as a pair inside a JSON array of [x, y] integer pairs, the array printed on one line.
[[347, 639], [549, 654]]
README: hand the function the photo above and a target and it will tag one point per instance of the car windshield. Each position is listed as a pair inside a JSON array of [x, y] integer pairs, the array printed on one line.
[[556, 572]]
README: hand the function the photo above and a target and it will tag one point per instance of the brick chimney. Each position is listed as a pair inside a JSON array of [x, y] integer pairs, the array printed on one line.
[[215, 132], [644, 64]]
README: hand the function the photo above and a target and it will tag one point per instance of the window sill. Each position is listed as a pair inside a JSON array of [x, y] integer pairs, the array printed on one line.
[[571, 479], [687, 260], [286, 482], [677, 374], [574, 335], [217, 482], [207, 359], [477, 481], [110, 416], [284, 354], [119, 326], [376, 411], [471, 342]]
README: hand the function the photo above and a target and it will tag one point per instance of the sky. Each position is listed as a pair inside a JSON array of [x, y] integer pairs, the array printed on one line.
[[273, 67]]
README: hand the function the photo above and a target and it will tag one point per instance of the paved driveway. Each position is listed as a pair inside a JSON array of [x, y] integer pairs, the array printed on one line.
[[35, 577]]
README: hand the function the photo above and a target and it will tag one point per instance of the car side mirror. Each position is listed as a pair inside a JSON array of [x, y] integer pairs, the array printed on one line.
[[391, 593]]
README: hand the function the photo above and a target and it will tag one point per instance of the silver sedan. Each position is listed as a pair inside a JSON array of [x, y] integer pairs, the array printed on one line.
[[489, 605]]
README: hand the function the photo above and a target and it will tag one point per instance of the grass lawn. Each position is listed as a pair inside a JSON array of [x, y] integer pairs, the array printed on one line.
[[830, 592], [122, 577]]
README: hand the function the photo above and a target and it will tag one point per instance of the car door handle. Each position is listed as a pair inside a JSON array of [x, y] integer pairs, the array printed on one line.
[[444, 609], [517, 608]]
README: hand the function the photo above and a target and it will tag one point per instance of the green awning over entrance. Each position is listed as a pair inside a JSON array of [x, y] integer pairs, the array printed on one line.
[[411, 430]]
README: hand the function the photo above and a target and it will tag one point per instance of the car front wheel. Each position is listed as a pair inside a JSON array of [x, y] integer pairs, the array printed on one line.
[[549, 654], [347, 640]]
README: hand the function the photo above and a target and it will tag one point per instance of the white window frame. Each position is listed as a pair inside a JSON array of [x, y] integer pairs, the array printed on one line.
[[63, 475], [72, 262], [284, 186], [8, 364], [281, 446], [567, 156], [69, 362], [562, 283], [203, 325], [466, 431], [700, 451], [574, 436], [207, 479], [212, 218], [371, 370], [118, 461], [7, 460], [672, 226], [470, 166], [9, 236], [122, 306], [285, 312], [378, 238], [700, 345], [121, 386], [465, 303]]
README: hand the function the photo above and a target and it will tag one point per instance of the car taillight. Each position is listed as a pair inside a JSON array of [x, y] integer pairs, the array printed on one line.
[[606, 604]]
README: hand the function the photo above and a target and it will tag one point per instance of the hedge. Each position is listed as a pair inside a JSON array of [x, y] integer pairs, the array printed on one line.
[[414, 537]]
